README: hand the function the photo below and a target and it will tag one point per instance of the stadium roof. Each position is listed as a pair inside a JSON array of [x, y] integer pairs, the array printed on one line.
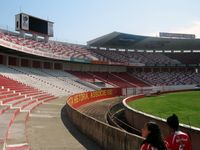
[[129, 41]]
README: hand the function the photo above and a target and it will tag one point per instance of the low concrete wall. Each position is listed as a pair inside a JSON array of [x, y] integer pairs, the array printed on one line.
[[108, 137], [154, 89], [137, 119]]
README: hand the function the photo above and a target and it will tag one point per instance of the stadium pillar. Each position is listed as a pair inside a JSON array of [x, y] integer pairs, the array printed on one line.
[[46, 39], [1, 59], [142, 69], [31, 63], [53, 65], [42, 65], [22, 34], [18, 61], [5, 60], [34, 36]]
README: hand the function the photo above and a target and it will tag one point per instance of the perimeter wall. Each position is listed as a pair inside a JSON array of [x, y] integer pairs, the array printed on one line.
[[108, 137]]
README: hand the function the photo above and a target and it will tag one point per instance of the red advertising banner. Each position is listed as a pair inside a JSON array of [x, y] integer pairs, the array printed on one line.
[[99, 62], [80, 99]]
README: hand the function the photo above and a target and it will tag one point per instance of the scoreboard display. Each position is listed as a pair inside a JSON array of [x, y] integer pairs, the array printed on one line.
[[177, 35], [32, 24]]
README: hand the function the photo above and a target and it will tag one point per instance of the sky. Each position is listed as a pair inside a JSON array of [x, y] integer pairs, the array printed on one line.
[[79, 21]]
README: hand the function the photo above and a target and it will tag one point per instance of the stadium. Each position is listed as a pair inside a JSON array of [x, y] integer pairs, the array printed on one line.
[[94, 96]]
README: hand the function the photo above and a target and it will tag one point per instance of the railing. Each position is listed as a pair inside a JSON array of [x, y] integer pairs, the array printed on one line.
[[115, 117], [154, 89]]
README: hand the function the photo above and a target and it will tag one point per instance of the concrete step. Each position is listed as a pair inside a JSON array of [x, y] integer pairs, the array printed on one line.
[[34, 93], [50, 99], [6, 92], [5, 96], [25, 90], [46, 97], [40, 95], [31, 106], [6, 120], [17, 131], [15, 102], [1, 145], [20, 101], [3, 109], [23, 104], [28, 92], [22, 146], [7, 100], [20, 86]]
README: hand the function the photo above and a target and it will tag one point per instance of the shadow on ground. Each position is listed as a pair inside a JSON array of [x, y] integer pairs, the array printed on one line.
[[84, 140]]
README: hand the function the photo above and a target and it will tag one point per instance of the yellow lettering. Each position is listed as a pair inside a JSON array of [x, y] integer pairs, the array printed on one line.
[[109, 92]]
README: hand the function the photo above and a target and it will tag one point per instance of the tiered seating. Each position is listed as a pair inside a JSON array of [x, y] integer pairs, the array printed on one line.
[[129, 57], [67, 78], [195, 78], [115, 79], [131, 79], [44, 81], [185, 58], [112, 79], [16, 101], [23, 89], [19, 95], [111, 56], [83, 76], [169, 78], [155, 58], [60, 49], [13, 136]]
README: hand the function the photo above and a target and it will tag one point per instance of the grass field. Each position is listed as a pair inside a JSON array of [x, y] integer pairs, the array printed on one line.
[[185, 104]]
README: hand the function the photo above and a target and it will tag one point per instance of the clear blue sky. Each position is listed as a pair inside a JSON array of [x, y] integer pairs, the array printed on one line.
[[83, 20]]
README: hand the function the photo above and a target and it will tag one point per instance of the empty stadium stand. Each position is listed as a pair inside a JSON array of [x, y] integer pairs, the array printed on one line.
[[57, 48], [115, 79], [128, 57], [169, 78], [50, 81], [83, 76], [16, 102], [23, 89], [185, 58], [131, 79]]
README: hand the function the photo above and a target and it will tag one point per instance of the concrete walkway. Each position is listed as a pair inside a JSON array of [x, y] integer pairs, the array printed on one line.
[[50, 129]]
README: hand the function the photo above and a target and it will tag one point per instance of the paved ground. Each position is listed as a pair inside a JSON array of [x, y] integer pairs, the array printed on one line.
[[50, 129]]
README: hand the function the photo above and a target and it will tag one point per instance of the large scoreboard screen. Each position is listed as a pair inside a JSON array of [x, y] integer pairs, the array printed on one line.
[[33, 24], [177, 35]]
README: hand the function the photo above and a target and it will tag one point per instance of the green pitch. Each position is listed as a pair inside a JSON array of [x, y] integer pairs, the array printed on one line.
[[185, 104]]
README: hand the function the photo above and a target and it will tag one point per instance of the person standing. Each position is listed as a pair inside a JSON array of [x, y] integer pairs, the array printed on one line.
[[177, 140], [153, 138]]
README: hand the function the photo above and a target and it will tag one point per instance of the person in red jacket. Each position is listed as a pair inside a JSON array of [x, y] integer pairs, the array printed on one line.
[[177, 140], [153, 138]]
